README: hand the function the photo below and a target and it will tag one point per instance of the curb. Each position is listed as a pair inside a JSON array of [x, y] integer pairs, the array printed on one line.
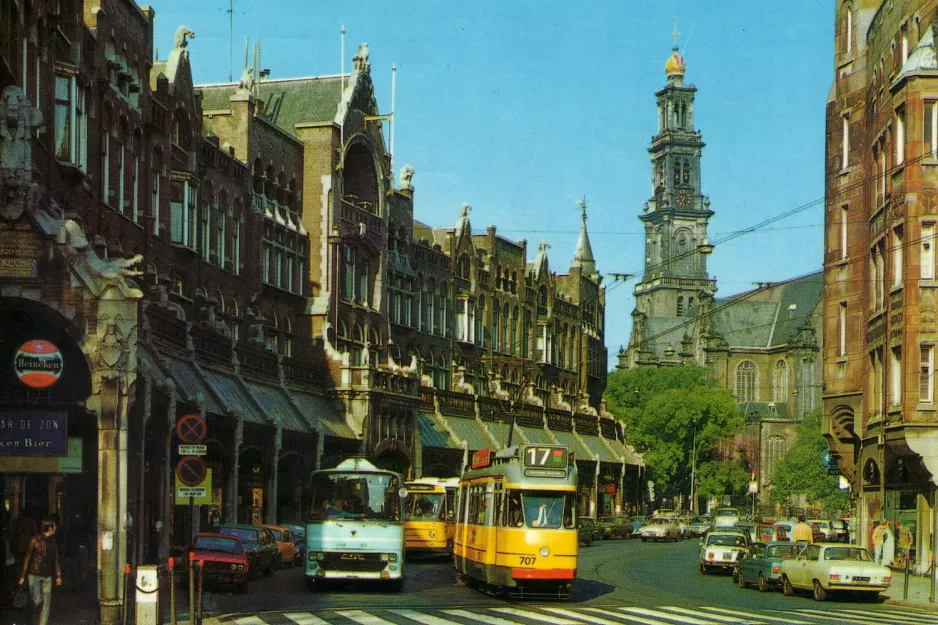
[[932, 607]]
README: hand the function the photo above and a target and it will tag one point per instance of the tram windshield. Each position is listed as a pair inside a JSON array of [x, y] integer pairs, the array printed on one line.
[[424, 506], [354, 495], [541, 509]]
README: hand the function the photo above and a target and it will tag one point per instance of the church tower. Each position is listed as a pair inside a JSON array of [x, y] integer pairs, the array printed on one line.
[[676, 216]]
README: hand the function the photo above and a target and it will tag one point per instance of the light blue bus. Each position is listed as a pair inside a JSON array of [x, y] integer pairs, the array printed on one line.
[[355, 530]]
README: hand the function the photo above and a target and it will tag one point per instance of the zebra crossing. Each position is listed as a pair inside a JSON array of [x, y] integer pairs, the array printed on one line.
[[582, 615]]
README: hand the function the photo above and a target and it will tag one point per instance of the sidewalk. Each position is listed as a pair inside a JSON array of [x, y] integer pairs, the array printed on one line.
[[919, 590]]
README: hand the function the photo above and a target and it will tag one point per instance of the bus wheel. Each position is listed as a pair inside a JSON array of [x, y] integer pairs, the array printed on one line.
[[397, 585], [311, 585]]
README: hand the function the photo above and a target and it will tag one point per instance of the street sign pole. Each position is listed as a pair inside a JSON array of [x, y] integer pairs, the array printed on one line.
[[191, 519]]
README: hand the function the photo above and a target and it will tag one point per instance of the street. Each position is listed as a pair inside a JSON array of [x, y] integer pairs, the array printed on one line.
[[618, 582]]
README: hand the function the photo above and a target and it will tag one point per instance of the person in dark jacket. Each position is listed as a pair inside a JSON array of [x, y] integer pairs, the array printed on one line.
[[41, 563]]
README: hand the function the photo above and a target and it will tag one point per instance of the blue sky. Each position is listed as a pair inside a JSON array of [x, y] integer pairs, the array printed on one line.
[[522, 108]]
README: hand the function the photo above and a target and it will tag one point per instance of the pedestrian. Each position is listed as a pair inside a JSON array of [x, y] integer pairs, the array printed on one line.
[[889, 547], [802, 532], [879, 537], [904, 540], [40, 564]]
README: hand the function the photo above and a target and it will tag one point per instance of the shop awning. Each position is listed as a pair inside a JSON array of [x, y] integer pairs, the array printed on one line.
[[191, 385], [570, 440], [468, 430], [535, 435], [599, 446], [275, 402], [319, 410], [233, 396], [433, 436]]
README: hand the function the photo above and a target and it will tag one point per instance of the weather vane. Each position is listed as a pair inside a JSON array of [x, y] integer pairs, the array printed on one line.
[[675, 33], [581, 206]]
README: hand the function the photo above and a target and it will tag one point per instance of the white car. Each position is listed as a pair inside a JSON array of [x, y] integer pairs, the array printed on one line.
[[721, 550], [725, 517], [660, 528], [827, 567]]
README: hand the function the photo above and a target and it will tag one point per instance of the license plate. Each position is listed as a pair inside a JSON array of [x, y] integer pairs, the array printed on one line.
[[861, 579], [727, 555]]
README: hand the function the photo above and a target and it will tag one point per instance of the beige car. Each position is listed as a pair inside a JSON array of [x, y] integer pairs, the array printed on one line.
[[827, 567], [721, 550], [661, 528]]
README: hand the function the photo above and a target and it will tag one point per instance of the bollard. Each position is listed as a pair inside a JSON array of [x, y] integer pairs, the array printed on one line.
[[126, 609], [172, 590], [191, 587], [905, 588], [147, 597], [198, 609]]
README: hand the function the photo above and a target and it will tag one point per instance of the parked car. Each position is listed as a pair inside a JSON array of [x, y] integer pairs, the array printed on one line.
[[683, 523], [840, 531], [784, 529], [750, 528], [615, 527], [259, 545], [284, 537], [638, 521], [825, 568], [698, 526], [762, 565], [725, 517], [223, 559], [660, 528], [299, 542], [821, 529], [719, 550], [588, 530]]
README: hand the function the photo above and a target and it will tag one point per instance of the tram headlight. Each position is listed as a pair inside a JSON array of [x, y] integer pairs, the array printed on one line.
[[432, 535], [544, 552]]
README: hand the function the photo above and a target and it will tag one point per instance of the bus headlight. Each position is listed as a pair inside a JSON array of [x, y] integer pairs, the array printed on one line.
[[384, 557], [544, 552]]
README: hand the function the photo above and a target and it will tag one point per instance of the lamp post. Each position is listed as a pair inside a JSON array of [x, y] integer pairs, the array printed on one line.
[[693, 474]]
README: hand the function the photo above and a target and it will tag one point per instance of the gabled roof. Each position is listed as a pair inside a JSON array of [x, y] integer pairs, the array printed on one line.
[[923, 56]]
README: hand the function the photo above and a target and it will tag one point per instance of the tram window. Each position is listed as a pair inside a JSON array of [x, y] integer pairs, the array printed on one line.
[[463, 501], [514, 512], [544, 509], [569, 511]]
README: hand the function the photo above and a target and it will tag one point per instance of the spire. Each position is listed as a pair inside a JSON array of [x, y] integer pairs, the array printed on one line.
[[674, 68], [583, 256]]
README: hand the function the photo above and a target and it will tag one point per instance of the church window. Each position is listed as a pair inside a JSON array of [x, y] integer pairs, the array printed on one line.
[[900, 136], [904, 37], [780, 383], [746, 381], [845, 142], [897, 257], [842, 330], [775, 449]]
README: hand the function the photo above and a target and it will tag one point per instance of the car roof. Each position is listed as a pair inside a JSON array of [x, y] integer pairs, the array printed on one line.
[[215, 535]]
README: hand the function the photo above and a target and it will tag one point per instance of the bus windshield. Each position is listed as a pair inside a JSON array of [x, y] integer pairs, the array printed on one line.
[[354, 495], [545, 509], [424, 506]]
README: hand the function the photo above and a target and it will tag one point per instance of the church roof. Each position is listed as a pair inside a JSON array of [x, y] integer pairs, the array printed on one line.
[[583, 256], [923, 57], [287, 102]]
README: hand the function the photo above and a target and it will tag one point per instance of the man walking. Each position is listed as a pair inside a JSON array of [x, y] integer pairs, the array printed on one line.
[[41, 563], [879, 538], [802, 532]]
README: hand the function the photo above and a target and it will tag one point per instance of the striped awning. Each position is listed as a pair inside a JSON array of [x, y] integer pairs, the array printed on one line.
[[570, 440], [193, 387], [599, 446], [234, 396], [322, 411], [433, 436], [275, 403], [469, 430], [539, 436]]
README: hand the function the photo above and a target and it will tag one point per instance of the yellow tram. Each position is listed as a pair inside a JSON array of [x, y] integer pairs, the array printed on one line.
[[429, 515], [516, 522]]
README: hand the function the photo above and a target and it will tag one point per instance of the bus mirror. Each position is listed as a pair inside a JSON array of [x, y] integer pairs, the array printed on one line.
[[402, 493]]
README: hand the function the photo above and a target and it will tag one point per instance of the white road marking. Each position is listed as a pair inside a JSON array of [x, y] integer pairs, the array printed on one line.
[[714, 617], [305, 618], [426, 619], [690, 620], [763, 617], [895, 617], [536, 616], [251, 620], [630, 618], [839, 617], [583, 617], [485, 618], [359, 616]]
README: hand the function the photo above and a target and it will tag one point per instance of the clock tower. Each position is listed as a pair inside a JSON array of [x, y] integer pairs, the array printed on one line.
[[676, 216]]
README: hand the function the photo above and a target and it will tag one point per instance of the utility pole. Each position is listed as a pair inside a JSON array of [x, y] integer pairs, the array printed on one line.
[[693, 474]]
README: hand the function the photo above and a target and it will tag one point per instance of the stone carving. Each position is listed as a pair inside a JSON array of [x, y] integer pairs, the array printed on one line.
[[18, 120], [246, 84], [72, 236], [406, 178], [180, 42], [360, 60], [464, 211]]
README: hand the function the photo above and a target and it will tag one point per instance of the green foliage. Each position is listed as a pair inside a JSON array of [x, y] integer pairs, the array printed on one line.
[[665, 411], [801, 470], [720, 477]]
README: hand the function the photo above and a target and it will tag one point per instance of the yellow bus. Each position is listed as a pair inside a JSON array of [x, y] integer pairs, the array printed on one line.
[[516, 522], [429, 515]]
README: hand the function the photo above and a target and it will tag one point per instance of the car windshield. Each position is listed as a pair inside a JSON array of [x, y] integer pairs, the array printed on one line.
[[727, 512], [608, 519], [781, 551], [246, 534], [700, 519], [217, 543], [354, 495], [856, 554], [726, 540]]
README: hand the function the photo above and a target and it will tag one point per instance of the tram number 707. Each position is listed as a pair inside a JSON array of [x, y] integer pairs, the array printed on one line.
[[527, 560]]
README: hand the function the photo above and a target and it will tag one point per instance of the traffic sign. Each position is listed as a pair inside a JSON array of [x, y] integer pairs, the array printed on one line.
[[191, 470], [193, 450], [196, 492], [191, 428], [201, 494]]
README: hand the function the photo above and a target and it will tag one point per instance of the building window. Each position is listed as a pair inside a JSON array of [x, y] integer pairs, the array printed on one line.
[[900, 136], [348, 291], [236, 246], [904, 35], [845, 147], [844, 219], [928, 251], [926, 384], [746, 380], [135, 201], [930, 128], [71, 122], [182, 214], [849, 29], [780, 383], [680, 305], [842, 330], [364, 283], [895, 376], [897, 258], [155, 202], [775, 449]]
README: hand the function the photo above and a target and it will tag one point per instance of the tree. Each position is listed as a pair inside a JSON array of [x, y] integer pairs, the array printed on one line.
[[801, 470], [722, 477], [666, 411]]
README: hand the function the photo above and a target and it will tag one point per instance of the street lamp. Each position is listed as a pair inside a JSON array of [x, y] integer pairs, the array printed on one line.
[[693, 473]]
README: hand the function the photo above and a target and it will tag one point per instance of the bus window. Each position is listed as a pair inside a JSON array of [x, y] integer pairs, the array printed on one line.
[[424, 505]]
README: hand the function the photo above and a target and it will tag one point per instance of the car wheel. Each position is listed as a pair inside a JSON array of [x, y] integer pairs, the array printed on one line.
[[787, 589], [763, 583], [589, 541], [740, 579], [819, 593], [644, 540], [270, 568], [397, 585], [312, 586]]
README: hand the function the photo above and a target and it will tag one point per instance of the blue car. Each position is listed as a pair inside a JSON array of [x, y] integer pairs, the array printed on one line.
[[638, 522], [762, 566]]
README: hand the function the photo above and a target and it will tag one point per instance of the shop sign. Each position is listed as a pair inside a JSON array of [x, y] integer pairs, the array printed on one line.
[[33, 433], [20, 250], [481, 458], [38, 364]]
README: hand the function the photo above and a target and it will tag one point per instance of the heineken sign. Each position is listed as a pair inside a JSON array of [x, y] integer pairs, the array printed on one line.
[[38, 364]]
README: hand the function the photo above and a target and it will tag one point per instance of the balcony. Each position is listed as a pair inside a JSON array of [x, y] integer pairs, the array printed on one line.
[[257, 361], [354, 214], [211, 346], [166, 327], [305, 372]]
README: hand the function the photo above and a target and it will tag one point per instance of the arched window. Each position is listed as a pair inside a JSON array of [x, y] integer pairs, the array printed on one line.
[[746, 381], [780, 382], [775, 448]]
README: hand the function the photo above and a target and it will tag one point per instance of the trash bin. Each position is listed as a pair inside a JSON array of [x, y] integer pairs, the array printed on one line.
[[147, 596]]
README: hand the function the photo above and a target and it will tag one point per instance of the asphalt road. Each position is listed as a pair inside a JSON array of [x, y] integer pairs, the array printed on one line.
[[612, 575]]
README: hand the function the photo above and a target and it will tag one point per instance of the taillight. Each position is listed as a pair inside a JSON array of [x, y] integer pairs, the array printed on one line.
[[835, 577], [776, 568], [710, 555], [887, 579]]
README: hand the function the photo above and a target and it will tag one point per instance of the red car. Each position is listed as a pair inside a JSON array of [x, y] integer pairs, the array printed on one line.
[[224, 560]]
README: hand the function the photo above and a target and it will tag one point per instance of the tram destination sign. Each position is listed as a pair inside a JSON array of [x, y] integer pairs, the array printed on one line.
[[545, 457], [33, 433]]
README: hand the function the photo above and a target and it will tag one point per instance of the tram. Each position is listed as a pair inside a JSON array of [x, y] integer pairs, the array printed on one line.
[[516, 522], [355, 529], [430, 515]]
